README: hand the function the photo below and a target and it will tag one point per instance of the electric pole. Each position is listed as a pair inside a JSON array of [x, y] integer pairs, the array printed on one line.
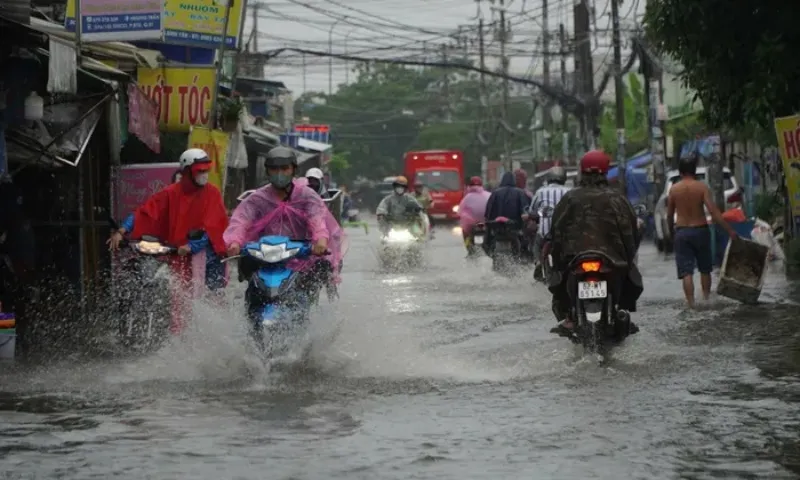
[[619, 94], [446, 83], [563, 67], [546, 117], [503, 34], [585, 74], [481, 121]]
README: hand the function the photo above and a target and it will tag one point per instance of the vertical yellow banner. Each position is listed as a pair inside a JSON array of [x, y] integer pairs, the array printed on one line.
[[788, 131], [215, 144]]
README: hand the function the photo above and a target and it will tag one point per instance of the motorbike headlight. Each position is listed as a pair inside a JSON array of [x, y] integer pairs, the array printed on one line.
[[455, 209], [399, 236], [272, 253], [151, 248]]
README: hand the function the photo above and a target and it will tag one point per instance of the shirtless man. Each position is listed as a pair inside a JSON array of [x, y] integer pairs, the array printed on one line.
[[690, 231]]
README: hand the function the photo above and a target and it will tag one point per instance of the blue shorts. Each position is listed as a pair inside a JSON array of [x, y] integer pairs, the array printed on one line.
[[692, 249]]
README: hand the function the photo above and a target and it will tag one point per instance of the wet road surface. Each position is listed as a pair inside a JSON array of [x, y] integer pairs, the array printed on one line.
[[443, 373]]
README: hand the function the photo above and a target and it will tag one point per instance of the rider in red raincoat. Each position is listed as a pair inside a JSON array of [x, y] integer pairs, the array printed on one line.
[[170, 215]]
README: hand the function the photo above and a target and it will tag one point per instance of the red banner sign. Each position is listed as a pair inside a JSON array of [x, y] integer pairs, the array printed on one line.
[[143, 118]]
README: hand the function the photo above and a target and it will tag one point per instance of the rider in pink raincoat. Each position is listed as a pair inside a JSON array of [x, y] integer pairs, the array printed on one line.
[[472, 208], [286, 207]]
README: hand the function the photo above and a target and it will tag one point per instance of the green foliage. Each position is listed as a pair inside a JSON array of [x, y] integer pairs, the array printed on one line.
[[389, 110], [637, 136], [740, 57], [768, 206], [339, 163]]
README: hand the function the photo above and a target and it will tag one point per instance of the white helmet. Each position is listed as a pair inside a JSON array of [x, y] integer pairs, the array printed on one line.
[[315, 173], [193, 156]]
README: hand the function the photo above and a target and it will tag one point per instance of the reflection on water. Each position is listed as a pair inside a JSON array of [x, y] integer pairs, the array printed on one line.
[[447, 373]]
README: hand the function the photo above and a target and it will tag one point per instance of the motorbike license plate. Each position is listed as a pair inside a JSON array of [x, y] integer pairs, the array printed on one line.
[[592, 290], [478, 239]]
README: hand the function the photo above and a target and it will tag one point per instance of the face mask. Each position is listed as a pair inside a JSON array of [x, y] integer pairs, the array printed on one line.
[[201, 178], [399, 190], [280, 180]]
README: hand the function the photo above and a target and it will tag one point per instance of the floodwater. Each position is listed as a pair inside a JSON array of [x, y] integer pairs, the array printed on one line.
[[444, 373]]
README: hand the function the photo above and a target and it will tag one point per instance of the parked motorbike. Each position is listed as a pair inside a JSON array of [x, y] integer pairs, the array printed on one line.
[[279, 299], [402, 241], [505, 247]]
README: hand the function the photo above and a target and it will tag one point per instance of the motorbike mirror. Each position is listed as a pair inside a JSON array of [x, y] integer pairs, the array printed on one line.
[[149, 238], [196, 234], [640, 209]]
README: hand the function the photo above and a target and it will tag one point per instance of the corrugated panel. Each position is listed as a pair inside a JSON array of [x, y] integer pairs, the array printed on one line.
[[16, 10]]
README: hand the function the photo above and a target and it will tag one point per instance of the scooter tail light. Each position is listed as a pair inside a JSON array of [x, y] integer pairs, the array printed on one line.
[[591, 266]]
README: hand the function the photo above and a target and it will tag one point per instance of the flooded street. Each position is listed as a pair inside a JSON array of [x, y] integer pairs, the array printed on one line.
[[444, 373]]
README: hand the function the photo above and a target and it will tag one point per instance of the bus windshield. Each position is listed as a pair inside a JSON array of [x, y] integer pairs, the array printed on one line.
[[440, 180]]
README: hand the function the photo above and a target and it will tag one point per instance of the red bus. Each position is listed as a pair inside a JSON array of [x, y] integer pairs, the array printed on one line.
[[442, 172]]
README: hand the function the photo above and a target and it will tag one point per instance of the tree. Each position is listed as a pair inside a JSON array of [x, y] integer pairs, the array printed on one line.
[[740, 57], [391, 109], [637, 136]]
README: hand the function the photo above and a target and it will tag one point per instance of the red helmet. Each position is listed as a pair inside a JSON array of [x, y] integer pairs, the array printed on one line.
[[595, 161], [475, 182]]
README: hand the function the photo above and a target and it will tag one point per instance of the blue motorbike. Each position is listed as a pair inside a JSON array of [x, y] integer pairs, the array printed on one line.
[[279, 299]]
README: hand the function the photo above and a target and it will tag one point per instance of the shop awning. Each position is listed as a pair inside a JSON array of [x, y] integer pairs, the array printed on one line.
[[60, 138]]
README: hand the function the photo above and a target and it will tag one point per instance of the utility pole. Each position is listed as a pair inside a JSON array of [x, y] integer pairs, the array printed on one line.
[[481, 140], [619, 94], [304, 73], [585, 74], [546, 117], [504, 63], [563, 67], [446, 83]]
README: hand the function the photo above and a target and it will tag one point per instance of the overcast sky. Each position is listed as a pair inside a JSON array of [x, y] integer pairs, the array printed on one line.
[[409, 29]]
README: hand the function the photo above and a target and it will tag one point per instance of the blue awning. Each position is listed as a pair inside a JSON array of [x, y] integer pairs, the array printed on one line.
[[641, 159]]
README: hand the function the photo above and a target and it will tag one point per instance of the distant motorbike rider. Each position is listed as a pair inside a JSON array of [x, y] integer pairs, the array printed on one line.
[[548, 196], [508, 201], [316, 182], [171, 214], [423, 196], [472, 209], [395, 207], [593, 216], [521, 181]]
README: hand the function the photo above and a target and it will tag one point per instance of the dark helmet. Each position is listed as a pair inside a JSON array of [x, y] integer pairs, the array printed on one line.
[[688, 165], [280, 157], [557, 175]]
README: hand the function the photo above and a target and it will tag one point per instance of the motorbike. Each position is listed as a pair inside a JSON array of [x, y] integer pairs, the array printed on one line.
[[541, 270], [594, 285], [505, 247], [475, 240], [402, 241], [279, 299], [145, 302]]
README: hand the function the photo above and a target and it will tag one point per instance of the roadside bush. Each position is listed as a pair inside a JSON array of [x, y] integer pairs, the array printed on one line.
[[768, 206]]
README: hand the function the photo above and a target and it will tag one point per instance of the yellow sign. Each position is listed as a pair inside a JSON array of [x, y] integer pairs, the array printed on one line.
[[788, 131], [198, 23], [215, 144], [194, 23], [183, 95]]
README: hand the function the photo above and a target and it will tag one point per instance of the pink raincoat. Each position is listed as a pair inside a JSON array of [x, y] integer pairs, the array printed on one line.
[[472, 208], [302, 216]]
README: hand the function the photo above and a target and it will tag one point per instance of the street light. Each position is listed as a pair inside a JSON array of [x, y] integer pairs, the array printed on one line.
[[330, 56]]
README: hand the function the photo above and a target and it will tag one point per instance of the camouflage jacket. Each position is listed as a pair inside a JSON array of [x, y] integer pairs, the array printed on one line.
[[594, 217]]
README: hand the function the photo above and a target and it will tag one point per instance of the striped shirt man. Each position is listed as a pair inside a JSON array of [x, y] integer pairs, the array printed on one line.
[[547, 196]]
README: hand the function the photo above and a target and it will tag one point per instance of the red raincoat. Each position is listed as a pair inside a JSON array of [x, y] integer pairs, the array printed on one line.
[[170, 215]]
